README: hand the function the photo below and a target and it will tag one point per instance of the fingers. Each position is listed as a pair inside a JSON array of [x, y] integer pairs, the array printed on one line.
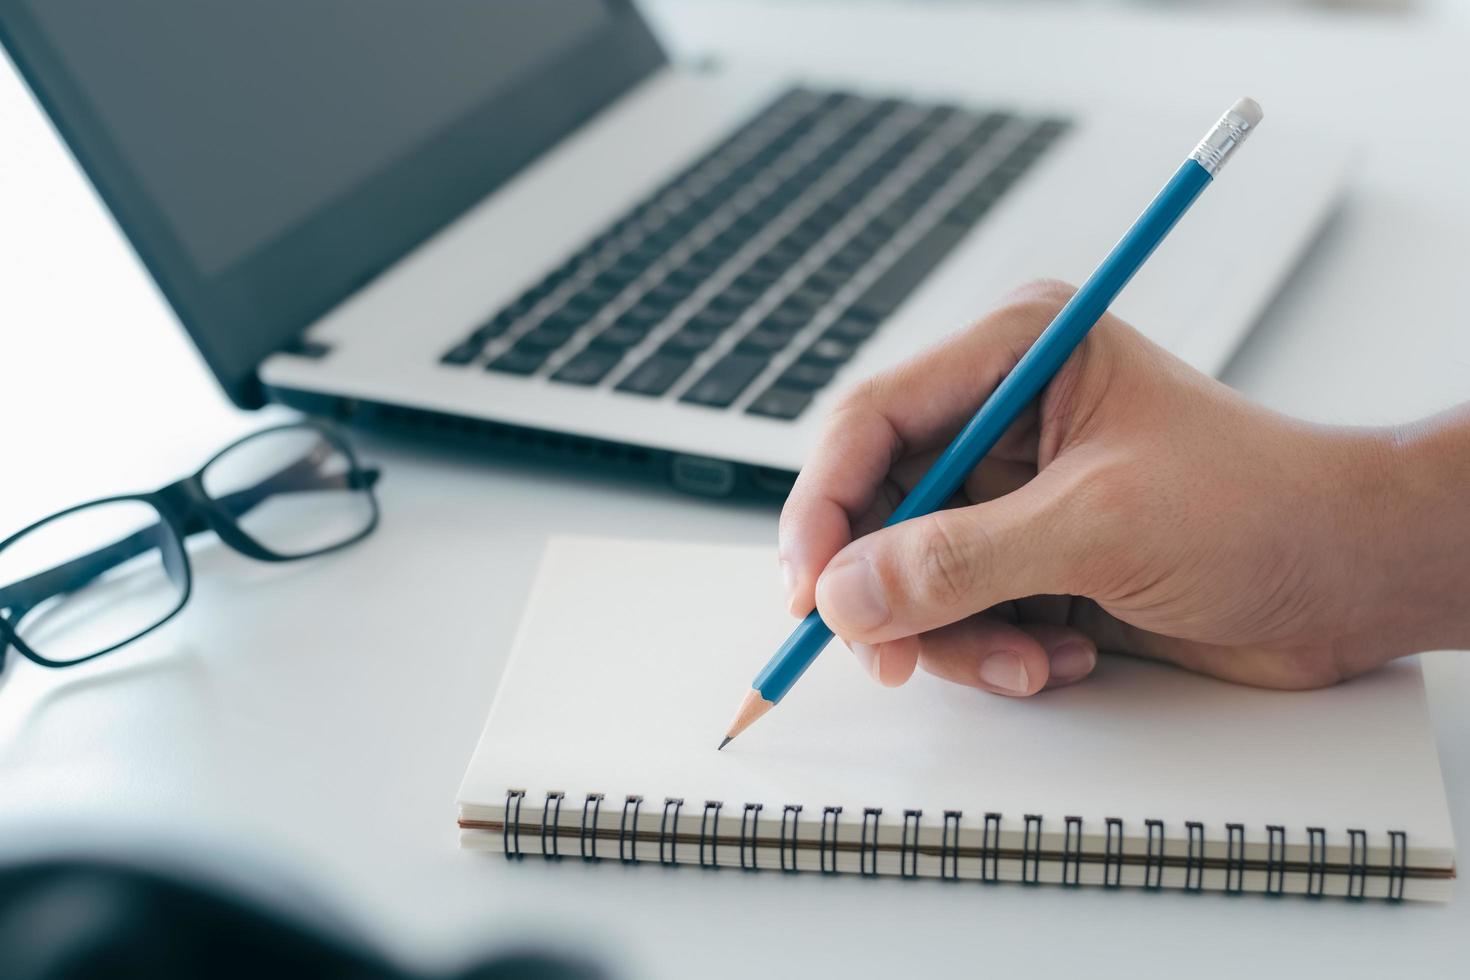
[[935, 570], [1015, 660], [836, 486], [1294, 669], [914, 407]]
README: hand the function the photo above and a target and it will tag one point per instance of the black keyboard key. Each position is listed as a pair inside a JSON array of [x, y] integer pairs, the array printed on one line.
[[760, 341], [547, 336], [519, 360], [754, 280], [872, 237], [567, 318], [686, 278], [522, 305], [806, 375], [785, 319], [892, 218], [588, 367], [666, 296], [463, 353], [589, 300], [852, 328], [713, 321], [688, 342], [724, 382], [780, 403], [808, 297], [655, 375], [850, 258], [894, 286], [618, 337], [614, 280], [828, 279], [973, 205], [642, 316], [800, 306], [494, 327], [829, 351], [733, 299]]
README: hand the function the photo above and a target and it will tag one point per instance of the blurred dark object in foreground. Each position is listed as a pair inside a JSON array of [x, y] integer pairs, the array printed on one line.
[[66, 919]]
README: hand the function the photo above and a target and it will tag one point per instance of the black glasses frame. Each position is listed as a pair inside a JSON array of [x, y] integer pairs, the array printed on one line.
[[187, 510]]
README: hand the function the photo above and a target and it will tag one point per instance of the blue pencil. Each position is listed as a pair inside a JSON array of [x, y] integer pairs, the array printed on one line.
[[1032, 373]]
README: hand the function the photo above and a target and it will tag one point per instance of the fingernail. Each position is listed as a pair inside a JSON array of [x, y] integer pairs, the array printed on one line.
[[788, 579], [852, 596], [1004, 671], [1071, 661], [868, 657]]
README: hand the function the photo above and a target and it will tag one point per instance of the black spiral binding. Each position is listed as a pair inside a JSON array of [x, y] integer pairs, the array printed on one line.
[[1275, 859], [908, 851], [1031, 851], [1194, 859], [714, 840], [829, 846], [506, 833], [949, 846], [868, 865], [1234, 858], [1072, 851], [1153, 866], [795, 811], [1357, 883], [554, 854], [990, 849], [1398, 864], [636, 802], [663, 835], [1316, 861], [595, 800], [752, 812], [834, 812], [1113, 853]]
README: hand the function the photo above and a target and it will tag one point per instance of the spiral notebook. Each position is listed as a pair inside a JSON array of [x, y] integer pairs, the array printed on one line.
[[600, 746]]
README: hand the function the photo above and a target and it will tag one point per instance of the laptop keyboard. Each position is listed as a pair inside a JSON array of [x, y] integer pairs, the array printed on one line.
[[748, 281]]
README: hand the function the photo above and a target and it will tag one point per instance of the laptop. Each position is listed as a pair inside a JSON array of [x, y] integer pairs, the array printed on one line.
[[518, 223]]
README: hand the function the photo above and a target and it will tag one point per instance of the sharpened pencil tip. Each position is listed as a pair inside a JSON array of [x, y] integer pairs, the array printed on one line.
[[750, 709]]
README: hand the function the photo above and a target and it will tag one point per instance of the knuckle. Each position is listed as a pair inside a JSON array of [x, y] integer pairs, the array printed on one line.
[[947, 569], [1043, 294], [857, 398]]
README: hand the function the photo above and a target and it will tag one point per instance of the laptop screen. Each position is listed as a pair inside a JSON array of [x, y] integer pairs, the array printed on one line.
[[242, 144]]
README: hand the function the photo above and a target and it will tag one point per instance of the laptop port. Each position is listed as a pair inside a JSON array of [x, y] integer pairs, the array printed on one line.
[[702, 475], [768, 479]]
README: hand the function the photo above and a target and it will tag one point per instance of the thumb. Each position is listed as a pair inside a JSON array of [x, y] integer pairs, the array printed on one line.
[[935, 570]]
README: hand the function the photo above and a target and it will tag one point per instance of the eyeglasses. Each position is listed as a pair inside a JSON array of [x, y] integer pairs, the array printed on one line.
[[90, 579]]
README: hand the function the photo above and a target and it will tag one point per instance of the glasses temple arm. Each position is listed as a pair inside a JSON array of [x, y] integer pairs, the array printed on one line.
[[20, 597], [300, 476]]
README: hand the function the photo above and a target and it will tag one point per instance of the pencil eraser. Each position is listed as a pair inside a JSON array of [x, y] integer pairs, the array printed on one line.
[[1249, 110]]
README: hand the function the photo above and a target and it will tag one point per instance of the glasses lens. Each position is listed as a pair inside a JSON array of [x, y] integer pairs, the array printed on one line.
[[294, 491], [91, 580]]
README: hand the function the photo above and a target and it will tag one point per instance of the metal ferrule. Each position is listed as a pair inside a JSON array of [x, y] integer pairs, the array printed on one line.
[[1221, 141]]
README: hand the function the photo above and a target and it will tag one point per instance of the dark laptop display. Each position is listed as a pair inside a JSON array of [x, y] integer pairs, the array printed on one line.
[[267, 158]]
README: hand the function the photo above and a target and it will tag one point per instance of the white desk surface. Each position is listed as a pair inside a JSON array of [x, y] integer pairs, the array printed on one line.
[[317, 717]]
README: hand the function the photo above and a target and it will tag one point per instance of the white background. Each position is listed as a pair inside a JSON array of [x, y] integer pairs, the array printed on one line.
[[316, 719]]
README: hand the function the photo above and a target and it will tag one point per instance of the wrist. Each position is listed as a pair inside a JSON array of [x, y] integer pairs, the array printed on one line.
[[1417, 477]]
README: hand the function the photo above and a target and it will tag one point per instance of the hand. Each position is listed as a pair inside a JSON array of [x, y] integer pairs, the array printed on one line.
[[1138, 506]]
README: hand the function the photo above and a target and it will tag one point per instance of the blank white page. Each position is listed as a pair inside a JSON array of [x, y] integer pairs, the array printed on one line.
[[633, 655]]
